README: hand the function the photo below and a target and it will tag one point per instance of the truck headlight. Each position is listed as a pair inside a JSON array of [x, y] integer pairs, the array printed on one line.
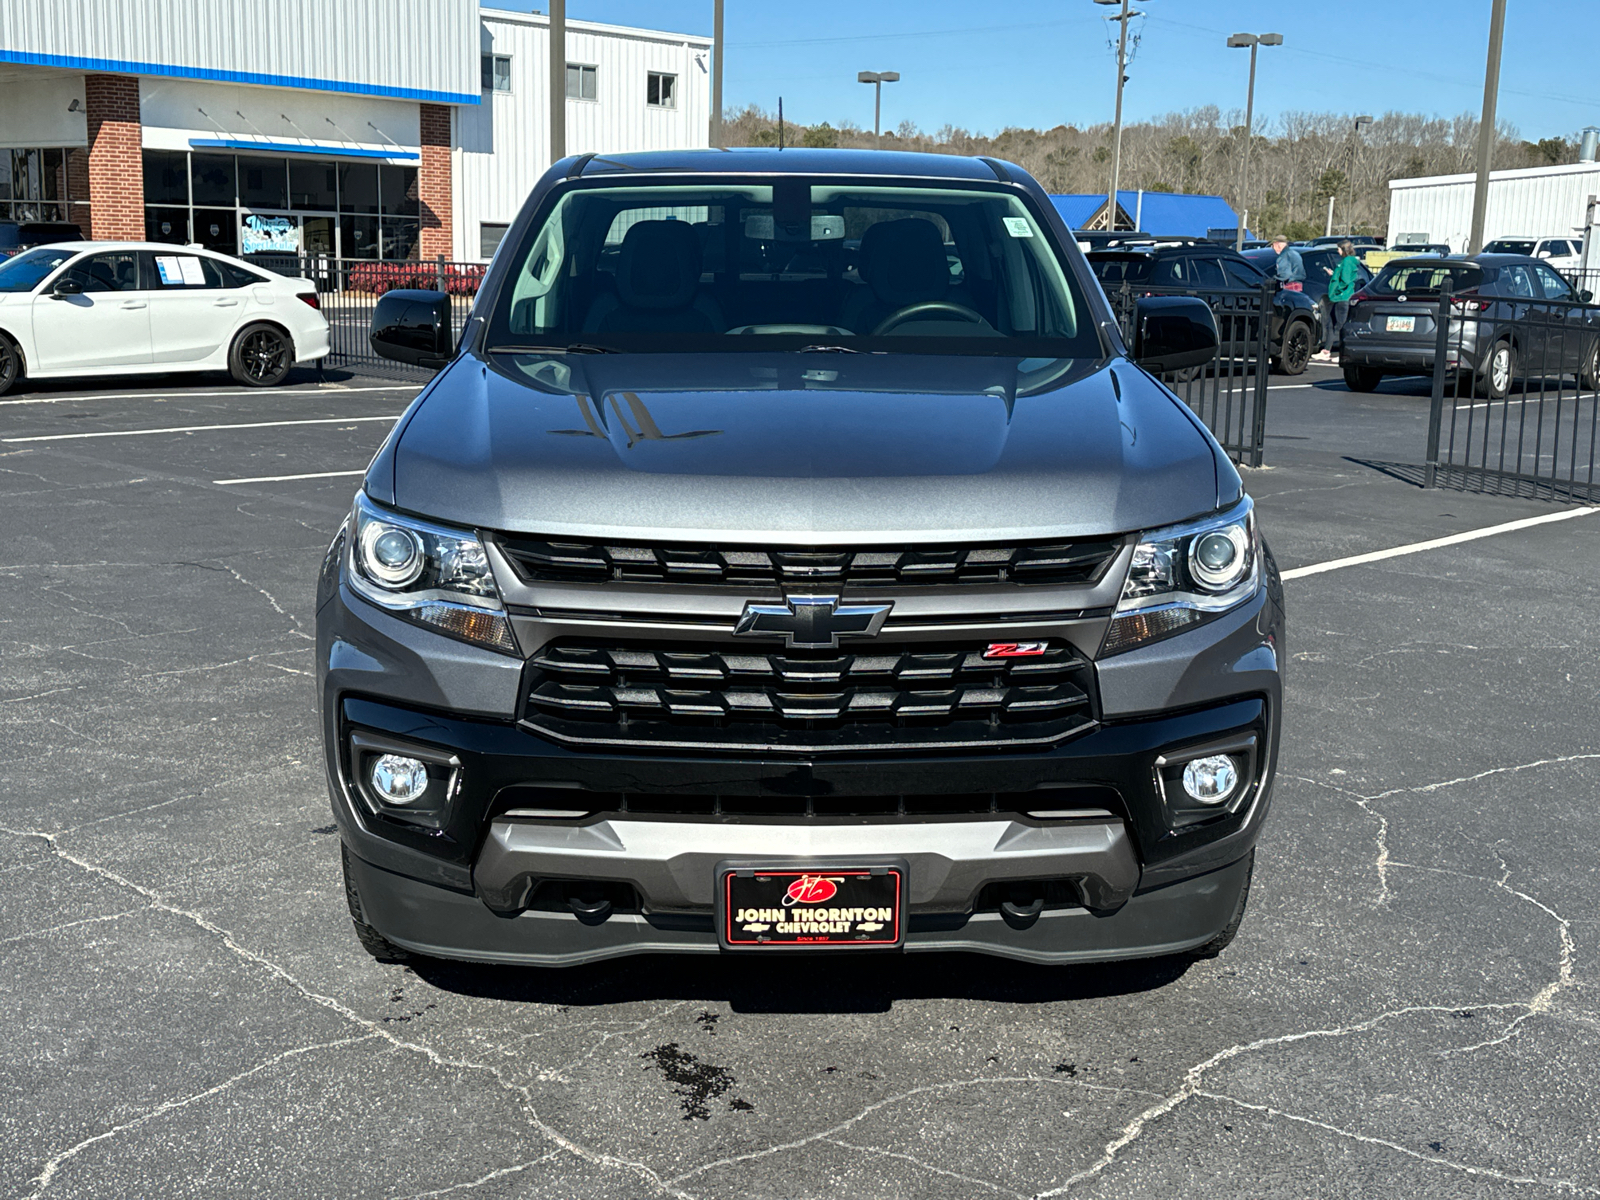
[[429, 574], [1186, 574]]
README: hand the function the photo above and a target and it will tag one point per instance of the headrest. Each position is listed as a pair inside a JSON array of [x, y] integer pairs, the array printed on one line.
[[904, 261], [659, 266]]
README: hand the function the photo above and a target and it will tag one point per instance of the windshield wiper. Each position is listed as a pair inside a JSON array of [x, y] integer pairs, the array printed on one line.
[[570, 348], [827, 350]]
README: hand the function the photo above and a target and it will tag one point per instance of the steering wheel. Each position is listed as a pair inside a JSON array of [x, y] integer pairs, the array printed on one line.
[[912, 312]]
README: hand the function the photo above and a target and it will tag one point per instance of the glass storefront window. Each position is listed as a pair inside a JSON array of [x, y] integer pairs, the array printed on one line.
[[358, 188], [399, 237], [166, 178], [312, 185], [217, 229], [316, 235], [263, 182], [213, 179], [166, 225], [399, 192], [358, 236]]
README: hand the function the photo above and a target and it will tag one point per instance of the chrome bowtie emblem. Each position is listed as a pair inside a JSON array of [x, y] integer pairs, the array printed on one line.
[[812, 622]]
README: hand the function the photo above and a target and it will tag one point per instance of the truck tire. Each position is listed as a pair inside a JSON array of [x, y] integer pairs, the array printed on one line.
[[373, 942]]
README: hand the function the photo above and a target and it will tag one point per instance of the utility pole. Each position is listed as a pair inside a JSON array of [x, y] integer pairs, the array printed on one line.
[[877, 79], [1116, 135], [716, 74], [1350, 177], [1491, 96], [1253, 41], [558, 80]]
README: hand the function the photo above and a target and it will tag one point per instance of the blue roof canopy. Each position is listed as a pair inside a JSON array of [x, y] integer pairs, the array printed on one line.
[[1164, 214]]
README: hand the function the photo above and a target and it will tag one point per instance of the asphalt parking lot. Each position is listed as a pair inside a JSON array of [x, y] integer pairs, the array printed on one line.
[[1409, 1009]]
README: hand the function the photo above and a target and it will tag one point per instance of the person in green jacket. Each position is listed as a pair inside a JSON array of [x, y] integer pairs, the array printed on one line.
[[1346, 278]]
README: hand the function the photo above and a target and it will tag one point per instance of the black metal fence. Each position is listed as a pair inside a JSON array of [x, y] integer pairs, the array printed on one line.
[[1229, 395], [1515, 396], [348, 290]]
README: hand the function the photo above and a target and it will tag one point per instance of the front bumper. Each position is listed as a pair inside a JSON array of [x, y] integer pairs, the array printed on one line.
[[1140, 878]]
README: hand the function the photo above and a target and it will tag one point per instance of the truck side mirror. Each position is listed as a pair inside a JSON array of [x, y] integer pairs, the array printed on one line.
[[1171, 333], [413, 326]]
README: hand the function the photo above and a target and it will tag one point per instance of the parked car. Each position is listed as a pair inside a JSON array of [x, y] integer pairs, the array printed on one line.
[[1512, 317], [1205, 268], [141, 308], [1418, 248], [1355, 239], [1562, 251], [17, 236], [762, 611], [1319, 261]]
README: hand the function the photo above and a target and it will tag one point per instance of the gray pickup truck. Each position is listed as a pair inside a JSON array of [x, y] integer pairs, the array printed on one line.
[[791, 555]]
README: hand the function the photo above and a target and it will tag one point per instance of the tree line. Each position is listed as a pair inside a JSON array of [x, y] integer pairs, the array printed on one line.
[[1297, 162]]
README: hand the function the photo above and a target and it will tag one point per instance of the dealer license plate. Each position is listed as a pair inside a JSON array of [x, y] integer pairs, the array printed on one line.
[[812, 907], [1400, 325]]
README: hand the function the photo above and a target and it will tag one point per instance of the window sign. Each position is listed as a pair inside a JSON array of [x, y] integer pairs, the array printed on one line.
[[270, 235], [180, 270]]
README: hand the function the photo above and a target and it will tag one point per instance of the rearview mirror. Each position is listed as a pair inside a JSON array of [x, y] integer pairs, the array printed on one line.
[[67, 287], [413, 326], [1171, 333]]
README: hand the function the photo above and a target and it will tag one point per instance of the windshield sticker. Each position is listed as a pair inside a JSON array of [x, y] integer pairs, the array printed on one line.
[[1018, 227]]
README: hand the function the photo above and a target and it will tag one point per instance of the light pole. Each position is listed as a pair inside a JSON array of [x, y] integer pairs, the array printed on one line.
[[877, 79], [1116, 135], [1237, 41], [1491, 96], [1350, 178], [716, 73]]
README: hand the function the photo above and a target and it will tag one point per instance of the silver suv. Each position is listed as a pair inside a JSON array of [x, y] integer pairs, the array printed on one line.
[[791, 555]]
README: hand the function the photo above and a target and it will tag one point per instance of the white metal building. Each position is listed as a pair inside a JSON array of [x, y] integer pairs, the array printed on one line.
[[1534, 202], [357, 129], [627, 89]]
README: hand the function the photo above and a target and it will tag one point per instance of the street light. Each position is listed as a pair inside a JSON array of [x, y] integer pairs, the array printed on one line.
[[1350, 176], [1116, 136], [1238, 41], [877, 79]]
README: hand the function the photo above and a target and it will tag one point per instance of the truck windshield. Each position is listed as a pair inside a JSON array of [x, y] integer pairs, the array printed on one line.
[[794, 264], [28, 269]]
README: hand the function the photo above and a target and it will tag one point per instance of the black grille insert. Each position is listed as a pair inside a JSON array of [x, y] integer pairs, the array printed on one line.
[[539, 561], [885, 697]]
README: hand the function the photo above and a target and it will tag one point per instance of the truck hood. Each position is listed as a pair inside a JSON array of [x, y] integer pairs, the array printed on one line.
[[798, 448]]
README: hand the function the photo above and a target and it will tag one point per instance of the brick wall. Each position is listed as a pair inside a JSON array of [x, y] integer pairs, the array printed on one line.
[[433, 183], [116, 167]]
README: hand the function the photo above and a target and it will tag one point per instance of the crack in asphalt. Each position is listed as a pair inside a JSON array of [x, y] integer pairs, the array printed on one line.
[[373, 1028], [469, 1184]]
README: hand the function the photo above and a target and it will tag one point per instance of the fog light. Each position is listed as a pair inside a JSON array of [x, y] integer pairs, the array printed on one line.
[[397, 779], [1210, 780]]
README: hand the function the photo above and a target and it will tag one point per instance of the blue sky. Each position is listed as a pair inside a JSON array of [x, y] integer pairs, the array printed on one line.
[[1046, 62]]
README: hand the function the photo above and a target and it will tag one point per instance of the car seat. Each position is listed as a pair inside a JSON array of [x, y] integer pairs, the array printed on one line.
[[658, 282], [902, 262]]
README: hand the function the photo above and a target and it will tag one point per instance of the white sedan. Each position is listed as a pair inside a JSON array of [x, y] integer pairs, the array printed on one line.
[[144, 308]]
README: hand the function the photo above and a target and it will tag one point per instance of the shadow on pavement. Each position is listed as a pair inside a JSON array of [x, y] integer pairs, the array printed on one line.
[[809, 984]]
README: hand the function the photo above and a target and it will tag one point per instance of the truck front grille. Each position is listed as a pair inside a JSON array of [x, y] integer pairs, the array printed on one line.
[[547, 561], [886, 697]]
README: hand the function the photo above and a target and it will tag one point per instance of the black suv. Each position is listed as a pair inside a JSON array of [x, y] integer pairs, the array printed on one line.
[[1206, 269]]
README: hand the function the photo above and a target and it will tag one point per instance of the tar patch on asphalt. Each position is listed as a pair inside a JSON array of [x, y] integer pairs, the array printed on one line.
[[696, 1084]]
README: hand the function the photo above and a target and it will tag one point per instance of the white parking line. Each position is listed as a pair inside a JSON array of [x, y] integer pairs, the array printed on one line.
[[314, 390], [67, 437], [1454, 539], [287, 478]]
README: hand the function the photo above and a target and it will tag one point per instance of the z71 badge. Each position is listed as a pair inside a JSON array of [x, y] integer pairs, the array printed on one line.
[[1015, 649]]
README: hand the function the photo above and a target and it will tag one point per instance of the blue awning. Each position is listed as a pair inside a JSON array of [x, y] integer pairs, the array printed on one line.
[[299, 148]]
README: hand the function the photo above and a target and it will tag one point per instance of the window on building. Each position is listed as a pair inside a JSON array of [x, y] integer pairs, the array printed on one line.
[[33, 185], [213, 179], [166, 177], [582, 83], [398, 190], [489, 236], [312, 184], [661, 90], [263, 182], [497, 72]]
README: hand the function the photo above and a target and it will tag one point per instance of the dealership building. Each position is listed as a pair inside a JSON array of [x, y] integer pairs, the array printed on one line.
[[357, 129]]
